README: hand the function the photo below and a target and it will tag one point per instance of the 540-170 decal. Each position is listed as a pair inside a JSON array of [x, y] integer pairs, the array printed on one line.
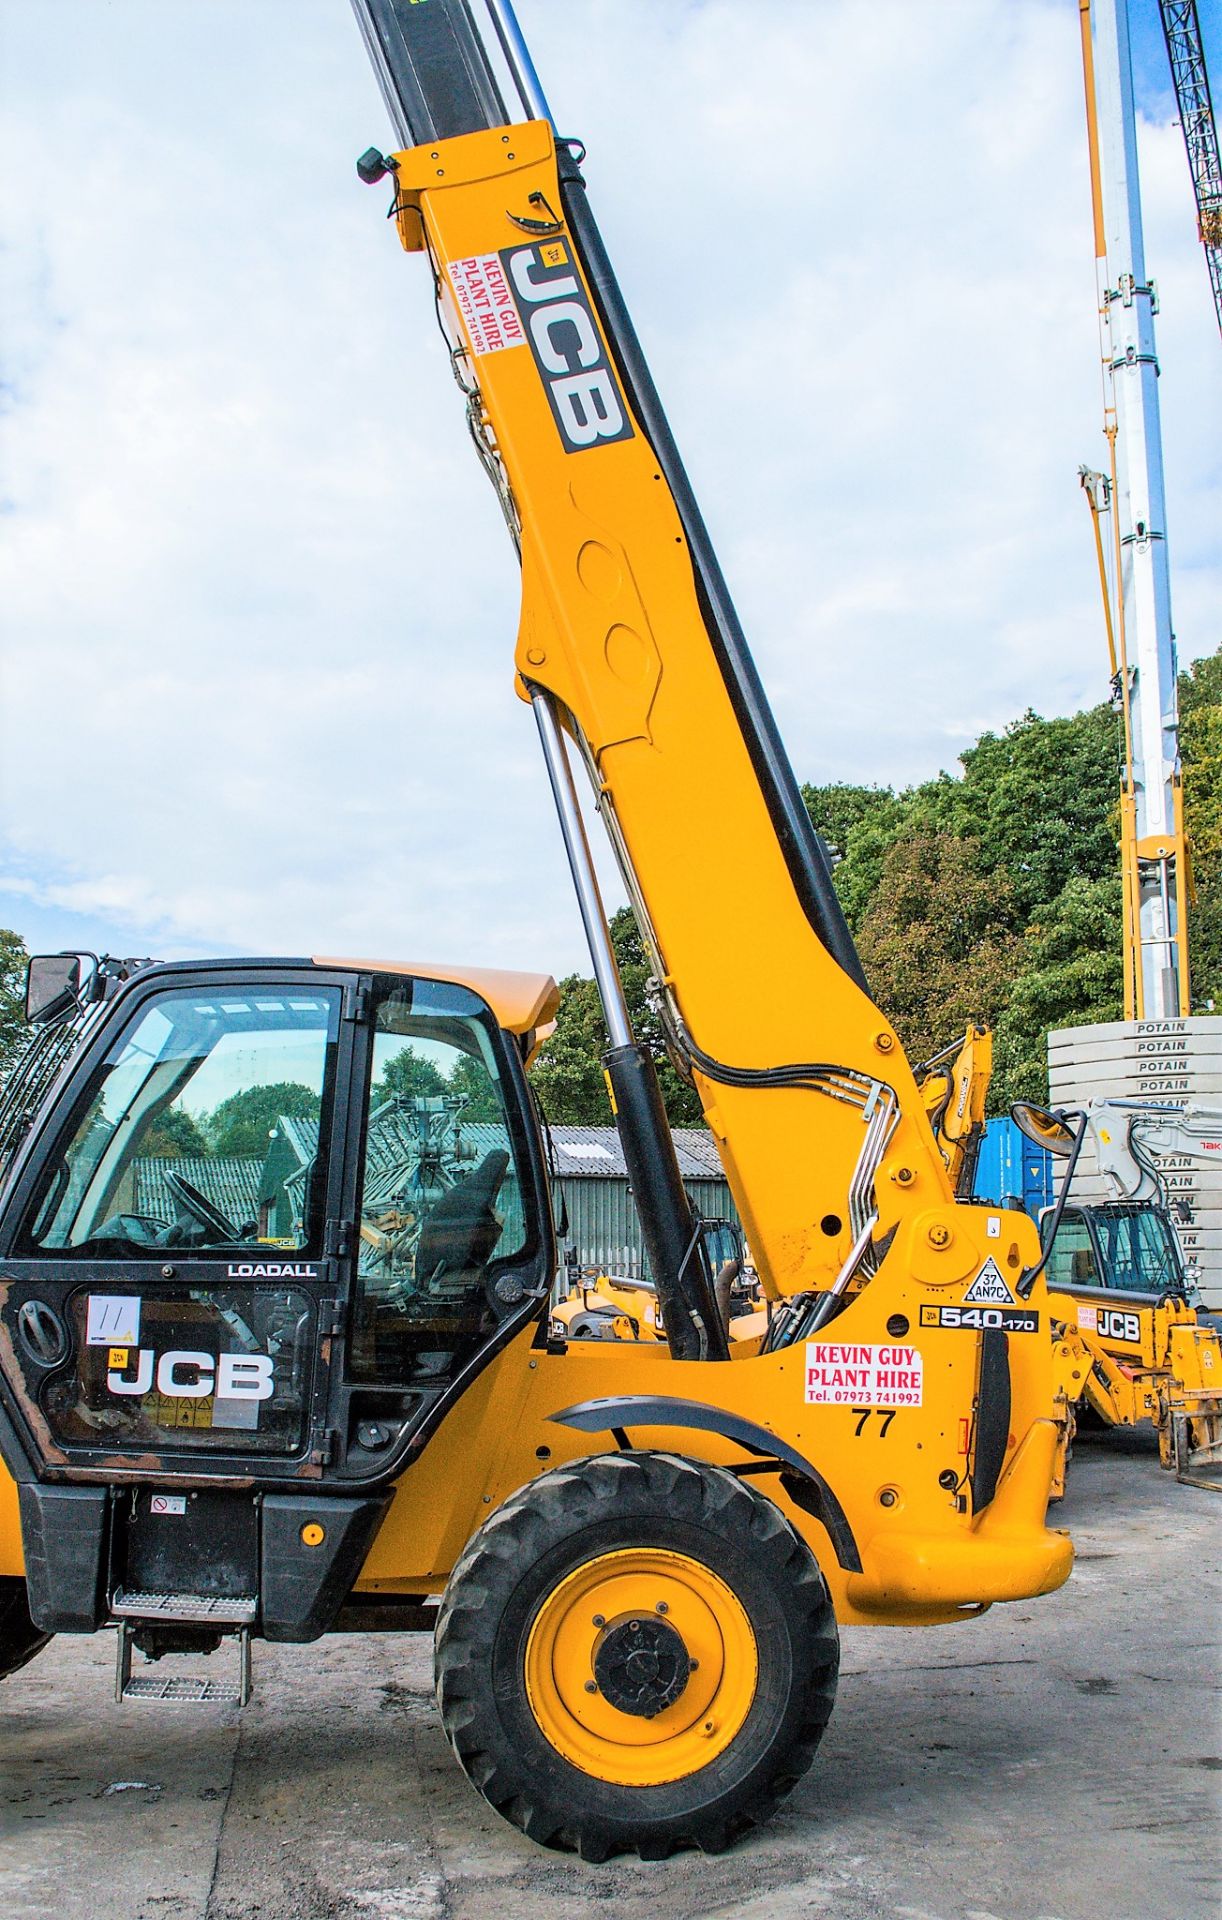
[[981, 1319]]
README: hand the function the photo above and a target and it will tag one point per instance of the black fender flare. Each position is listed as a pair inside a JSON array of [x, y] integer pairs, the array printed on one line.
[[803, 1482]]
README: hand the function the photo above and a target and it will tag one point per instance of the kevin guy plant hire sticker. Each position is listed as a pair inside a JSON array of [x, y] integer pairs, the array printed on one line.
[[846, 1376]]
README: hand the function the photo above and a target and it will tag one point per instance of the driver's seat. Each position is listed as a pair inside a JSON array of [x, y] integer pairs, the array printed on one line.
[[462, 1229]]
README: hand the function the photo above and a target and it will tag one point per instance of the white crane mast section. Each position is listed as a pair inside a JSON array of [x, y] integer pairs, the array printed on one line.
[[1140, 585]]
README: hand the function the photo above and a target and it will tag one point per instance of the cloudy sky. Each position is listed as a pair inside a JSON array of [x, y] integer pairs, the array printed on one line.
[[258, 604]]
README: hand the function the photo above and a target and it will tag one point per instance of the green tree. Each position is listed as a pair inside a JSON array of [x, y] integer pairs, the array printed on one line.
[[411, 1074], [679, 1098], [568, 1071], [173, 1134], [1042, 799], [938, 941], [13, 1030], [1200, 691], [471, 1078], [859, 826], [1068, 972], [242, 1125]]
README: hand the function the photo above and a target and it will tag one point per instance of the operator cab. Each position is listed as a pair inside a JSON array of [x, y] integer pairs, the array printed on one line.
[[271, 1220], [1114, 1260]]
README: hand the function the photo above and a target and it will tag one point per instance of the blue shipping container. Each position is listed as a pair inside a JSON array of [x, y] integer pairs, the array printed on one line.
[[1010, 1167]]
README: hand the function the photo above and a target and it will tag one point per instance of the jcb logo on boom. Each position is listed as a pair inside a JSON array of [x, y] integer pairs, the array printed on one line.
[[1118, 1326], [581, 386], [186, 1375]]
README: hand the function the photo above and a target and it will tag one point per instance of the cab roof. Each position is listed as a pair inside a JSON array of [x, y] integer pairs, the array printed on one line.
[[521, 1002]]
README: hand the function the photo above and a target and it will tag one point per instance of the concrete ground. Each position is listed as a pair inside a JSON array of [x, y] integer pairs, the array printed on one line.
[[1054, 1759]]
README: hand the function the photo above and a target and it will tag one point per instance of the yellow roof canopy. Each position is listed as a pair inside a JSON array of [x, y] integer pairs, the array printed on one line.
[[520, 1001]]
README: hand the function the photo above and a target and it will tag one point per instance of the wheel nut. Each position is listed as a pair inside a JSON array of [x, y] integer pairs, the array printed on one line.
[[661, 1607], [591, 1686], [600, 1620]]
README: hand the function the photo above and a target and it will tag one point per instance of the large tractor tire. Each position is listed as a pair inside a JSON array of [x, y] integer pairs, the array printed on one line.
[[20, 1639], [637, 1652]]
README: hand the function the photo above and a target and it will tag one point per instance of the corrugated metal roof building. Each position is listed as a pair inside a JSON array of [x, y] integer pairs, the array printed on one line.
[[603, 1227], [232, 1185], [604, 1231]]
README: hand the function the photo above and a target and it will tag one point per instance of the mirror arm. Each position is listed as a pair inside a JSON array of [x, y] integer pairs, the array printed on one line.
[[1027, 1280]]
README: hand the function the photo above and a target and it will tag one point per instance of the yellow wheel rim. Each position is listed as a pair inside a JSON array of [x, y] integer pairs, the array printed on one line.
[[641, 1584]]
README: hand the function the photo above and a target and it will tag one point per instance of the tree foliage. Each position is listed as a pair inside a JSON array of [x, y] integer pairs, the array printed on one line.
[[992, 895], [173, 1135], [1201, 748], [411, 1074], [243, 1124], [415, 1076], [13, 1030], [568, 1074]]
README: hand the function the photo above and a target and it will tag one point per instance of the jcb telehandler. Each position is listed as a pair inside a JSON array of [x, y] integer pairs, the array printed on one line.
[[1131, 1346], [309, 1390]]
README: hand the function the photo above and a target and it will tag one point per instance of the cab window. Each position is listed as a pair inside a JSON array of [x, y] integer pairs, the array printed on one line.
[[442, 1222], [199, 1130], [1072, 1261], [1141, 1252]]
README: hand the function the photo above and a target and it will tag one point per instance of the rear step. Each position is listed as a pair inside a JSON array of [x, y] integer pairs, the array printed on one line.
[[200, 1609], [190, 1690]]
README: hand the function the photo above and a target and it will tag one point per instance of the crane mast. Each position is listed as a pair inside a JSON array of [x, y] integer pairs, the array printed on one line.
[[1130, 522], [1182, 32]]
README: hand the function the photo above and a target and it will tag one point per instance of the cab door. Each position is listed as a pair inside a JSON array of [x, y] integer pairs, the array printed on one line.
[[167, 1279]]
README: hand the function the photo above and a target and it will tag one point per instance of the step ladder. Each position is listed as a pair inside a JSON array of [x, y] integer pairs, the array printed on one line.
[[233, 1614]]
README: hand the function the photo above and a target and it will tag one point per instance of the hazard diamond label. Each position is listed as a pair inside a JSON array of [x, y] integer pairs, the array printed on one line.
[[989, 1288]]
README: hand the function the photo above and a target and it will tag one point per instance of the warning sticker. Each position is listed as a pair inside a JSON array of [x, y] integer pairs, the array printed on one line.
[[112, 1320], [168, 1503], [847, 1376], [1088, 1317], [989, 1288], [485, 303]]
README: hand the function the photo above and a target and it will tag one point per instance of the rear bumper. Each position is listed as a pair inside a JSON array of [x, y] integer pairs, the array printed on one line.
[[1005, 1553]]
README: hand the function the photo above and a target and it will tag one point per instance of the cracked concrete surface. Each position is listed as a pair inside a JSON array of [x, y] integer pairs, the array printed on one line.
[[1052, 1761]]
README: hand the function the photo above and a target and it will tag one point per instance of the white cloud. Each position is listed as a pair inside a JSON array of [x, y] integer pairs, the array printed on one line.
[[259, 604]]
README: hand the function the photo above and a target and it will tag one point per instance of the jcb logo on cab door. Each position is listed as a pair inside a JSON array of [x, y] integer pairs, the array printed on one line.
[[186, 1375], [582, 390]]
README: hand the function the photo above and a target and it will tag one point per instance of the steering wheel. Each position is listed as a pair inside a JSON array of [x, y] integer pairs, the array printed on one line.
[[200, 1207]]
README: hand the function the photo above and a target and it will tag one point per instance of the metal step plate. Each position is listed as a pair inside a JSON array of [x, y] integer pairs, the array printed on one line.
[[186, 1690], [207, 1609]]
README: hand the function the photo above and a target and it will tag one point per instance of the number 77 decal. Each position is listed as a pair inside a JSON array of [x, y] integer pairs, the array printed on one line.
[[864, 1414]]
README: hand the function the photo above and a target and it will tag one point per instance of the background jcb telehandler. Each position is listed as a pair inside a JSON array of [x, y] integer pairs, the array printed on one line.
[[1131, 1345], [308, 1392]]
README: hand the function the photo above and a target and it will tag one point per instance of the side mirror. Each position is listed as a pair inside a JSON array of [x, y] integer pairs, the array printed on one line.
[[52, 987], [1044, 1129]]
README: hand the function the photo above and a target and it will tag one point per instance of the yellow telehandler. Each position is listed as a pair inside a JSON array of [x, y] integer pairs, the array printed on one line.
[[312, 1389]]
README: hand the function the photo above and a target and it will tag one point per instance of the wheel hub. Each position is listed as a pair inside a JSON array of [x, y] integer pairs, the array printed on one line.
[[641, 1664]]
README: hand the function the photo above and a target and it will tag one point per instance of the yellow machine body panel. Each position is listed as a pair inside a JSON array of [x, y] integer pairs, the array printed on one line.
[[899, 1471]]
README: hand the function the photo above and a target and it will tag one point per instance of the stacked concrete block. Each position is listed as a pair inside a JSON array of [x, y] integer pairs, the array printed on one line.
[[1167, 1062]]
